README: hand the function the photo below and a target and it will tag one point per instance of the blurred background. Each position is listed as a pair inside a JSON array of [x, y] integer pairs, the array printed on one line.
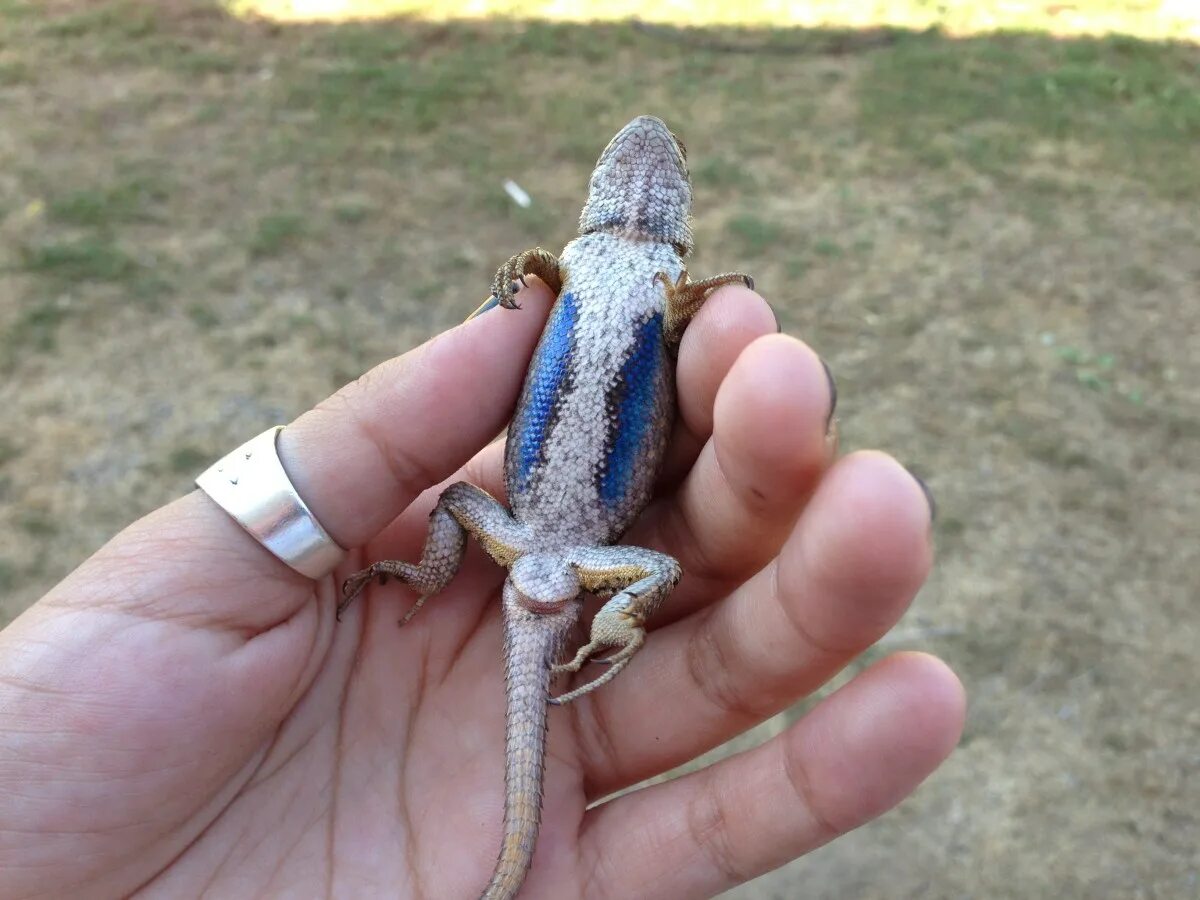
[[984, 216]]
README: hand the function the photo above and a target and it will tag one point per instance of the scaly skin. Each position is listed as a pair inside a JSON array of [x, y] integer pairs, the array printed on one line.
[[584, 449]]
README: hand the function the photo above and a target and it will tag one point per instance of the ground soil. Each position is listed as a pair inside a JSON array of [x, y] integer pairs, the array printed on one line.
[[206, 225]]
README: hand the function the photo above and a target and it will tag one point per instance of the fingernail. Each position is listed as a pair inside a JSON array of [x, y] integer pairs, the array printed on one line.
[[928, 494], [775, 313], [832, 395]]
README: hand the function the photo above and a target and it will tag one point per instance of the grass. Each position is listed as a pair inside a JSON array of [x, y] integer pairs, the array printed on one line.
[[718, 173], [992, 103], [353, 211], [9, 450], [983, 225], [14, 73], [203, 316], [35, 328], [756, 235], [135, 199], [188, 460], [126, 19], [83, 259], [37, 525], [275, 233]]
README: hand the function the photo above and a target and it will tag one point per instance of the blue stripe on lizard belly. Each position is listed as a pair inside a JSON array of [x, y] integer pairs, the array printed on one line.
[[546, 375], [631, 402]]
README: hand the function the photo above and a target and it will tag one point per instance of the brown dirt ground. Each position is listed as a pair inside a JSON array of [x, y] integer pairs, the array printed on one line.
[[1026, 339]]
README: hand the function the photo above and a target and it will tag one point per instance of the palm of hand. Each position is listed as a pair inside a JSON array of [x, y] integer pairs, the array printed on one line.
[[387, 776], [182, 714]]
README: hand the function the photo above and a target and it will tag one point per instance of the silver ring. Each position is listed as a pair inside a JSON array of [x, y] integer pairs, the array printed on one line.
[[251, 485]]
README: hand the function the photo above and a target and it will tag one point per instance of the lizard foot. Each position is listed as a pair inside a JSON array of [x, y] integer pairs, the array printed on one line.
[[353, 586], [510, 277], [635, 635], [685, 297]]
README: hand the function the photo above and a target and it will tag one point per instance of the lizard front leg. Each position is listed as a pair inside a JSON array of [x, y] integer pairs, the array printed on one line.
[[510, 278], [685, 297], [461, 509], [638, 580]]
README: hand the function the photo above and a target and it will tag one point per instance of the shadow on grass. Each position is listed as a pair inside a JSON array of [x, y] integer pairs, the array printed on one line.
[[466, 101], [922, 99]]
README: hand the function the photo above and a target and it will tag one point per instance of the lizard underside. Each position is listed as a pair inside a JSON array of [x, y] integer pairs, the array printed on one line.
[[584, 449]]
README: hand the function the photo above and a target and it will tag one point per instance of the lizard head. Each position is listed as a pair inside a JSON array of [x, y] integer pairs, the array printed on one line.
[[640, 187]]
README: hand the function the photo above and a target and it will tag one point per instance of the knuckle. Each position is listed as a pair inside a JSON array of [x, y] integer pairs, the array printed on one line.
[[709, 828], [712, 671], [679, 534], [802, 787]]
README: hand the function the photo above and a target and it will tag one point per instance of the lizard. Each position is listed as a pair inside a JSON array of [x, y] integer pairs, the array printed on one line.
[[583, 451]]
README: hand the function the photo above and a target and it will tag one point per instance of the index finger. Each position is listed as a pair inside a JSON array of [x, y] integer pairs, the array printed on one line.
[[362, 456]]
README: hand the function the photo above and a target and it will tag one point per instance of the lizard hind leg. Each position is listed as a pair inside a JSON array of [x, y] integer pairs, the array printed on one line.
[[461, 509], [639, 580]]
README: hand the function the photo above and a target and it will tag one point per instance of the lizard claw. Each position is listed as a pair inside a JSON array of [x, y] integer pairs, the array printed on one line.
[[581, 658], [618, 662], [351, 588], [506, 300], [483, 307]]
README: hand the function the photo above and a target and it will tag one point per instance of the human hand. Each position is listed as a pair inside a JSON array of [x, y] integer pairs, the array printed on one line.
[[181, 714]]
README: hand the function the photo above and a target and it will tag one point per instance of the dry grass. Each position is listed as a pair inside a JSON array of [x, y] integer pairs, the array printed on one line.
[[208, 223]]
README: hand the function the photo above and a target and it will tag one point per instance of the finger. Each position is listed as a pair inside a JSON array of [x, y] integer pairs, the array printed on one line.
[[768, 450], [851, 567], [742, 496], [852, 758], [360, 457], [732, 318]]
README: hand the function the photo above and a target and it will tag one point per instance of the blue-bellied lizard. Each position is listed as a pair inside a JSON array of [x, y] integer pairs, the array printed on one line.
[[584, 449]]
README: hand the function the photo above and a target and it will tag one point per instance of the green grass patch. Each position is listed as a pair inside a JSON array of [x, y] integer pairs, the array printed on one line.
[[130, 200], [367, 44], [36, 327], [37, 524], [133, 33], [126, 20], [460, 87], [16, 9], [85, 259], [827, 247], [188, 460], [718, 173], [988, 101], [352, 211], [203, 316], [755, 235], [275, 233], [397, 93], [9, 451], [13, 73]]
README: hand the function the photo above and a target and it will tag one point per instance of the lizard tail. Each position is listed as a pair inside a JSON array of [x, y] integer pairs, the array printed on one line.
[[532, 642]]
